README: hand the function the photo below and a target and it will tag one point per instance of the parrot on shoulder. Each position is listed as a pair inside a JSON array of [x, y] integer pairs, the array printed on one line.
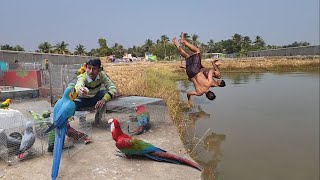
[[62, 111], [143, 118], [5, 104], [132, 146]]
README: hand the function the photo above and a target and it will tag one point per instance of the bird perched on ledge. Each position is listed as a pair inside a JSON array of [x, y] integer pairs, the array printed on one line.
[[143, 118], [5, 104], [132, 146]]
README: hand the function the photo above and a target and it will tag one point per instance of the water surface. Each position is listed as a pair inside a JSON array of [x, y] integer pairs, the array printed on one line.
[[260, 126]]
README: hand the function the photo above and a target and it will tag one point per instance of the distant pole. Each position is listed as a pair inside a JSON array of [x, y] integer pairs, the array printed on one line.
[[50, 84]]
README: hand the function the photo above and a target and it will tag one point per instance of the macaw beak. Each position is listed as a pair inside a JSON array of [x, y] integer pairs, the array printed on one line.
[[73, 94], [110, 121]]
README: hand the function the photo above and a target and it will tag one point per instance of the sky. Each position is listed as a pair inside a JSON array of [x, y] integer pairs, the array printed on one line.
[[132, 22]]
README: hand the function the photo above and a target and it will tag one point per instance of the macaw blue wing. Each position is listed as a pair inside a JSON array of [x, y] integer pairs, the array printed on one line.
[[62, 115]]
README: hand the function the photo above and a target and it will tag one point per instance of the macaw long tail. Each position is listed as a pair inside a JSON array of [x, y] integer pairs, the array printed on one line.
[[137, 131], [58, 144], [168, 157]]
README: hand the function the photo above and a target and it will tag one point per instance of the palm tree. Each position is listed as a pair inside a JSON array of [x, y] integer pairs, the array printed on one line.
[[211, 45], [259, 43], [80, 50], [18, 48], [194, 39], [61, 48], [246, 42], [164, 41], [186, 37], [237, 42], [45, 47], [102, 43], [148, 44]]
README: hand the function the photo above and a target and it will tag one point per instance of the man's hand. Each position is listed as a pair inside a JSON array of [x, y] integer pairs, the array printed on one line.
[[100, 104], [83, 91]]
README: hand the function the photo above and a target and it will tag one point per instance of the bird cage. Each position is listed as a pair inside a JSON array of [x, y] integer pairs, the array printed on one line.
[[125, 109], [19, 139], [76, 136]]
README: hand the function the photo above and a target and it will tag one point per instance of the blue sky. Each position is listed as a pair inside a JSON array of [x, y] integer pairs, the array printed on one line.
[[131, 22]]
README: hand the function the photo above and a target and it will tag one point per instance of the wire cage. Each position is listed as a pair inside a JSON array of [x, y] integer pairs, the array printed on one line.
[[125, 110], [76, 136], [19, 138]]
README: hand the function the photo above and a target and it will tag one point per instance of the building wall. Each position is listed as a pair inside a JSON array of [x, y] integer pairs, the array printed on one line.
[[22, 78]]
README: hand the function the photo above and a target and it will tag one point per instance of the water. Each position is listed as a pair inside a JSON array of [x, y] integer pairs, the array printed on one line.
[[261, 126]]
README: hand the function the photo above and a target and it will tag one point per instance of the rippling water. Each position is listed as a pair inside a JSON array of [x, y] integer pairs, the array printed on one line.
[[260, 126]]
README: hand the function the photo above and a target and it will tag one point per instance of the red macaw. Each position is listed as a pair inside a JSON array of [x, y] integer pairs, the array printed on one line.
[[132, 146]]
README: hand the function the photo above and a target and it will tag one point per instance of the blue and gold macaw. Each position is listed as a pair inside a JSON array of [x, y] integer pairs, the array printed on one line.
[[62, 111]]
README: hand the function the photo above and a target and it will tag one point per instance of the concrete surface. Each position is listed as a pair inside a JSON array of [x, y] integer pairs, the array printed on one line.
[[97, 160]]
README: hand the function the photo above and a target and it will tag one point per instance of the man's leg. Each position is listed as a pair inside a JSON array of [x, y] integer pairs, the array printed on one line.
[[181, 51], [193, 48], [100, 113], [215, 64]]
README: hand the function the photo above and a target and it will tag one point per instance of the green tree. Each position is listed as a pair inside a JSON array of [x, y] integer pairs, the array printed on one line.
[[194, 40], [103, 50], [118, 50], [61, 48], [18, 48], [102, 43], [259, 43], [45, 47], [80, 50], [211, 46], [148, 44], [164, 41], [237, 42]]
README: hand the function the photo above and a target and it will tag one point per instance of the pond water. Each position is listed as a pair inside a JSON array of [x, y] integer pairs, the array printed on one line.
[[260, 126]]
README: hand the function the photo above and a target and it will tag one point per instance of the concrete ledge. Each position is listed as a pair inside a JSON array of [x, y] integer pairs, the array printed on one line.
[[19, 93], [98, 161]]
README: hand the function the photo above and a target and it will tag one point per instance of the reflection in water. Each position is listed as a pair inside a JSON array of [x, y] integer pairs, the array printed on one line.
[[244, 78], [259, 112], [206, 149]]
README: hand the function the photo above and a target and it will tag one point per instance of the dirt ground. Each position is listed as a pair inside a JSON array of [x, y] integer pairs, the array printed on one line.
[[97, 160]]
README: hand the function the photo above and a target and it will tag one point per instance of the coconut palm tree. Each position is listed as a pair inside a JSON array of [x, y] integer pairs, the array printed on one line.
[[211, 45], [45, 47], [164, 40], [61, 48], [80, 50], [148, 44], [194, 40]]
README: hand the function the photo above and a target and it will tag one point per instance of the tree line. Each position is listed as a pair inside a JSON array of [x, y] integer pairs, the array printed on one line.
[[163, 48]]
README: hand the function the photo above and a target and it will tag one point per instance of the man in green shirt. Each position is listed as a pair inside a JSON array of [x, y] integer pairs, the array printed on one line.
[[95, 88]]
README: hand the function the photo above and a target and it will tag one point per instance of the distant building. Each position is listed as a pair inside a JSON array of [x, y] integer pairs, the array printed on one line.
[[214, 55]]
